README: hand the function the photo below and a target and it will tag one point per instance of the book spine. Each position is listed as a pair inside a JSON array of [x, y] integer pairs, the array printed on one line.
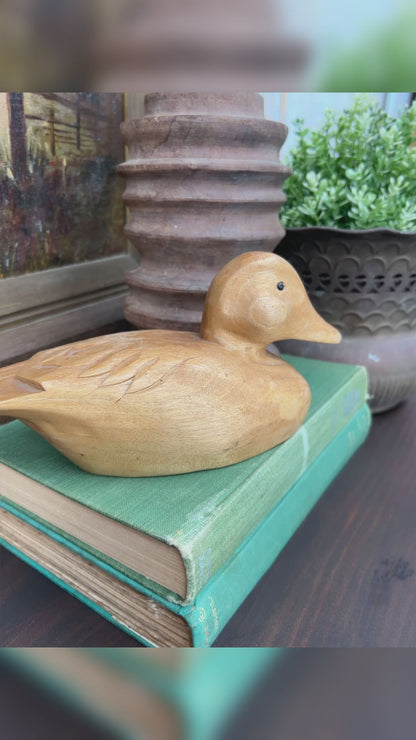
[[70, 589], [212, 545], [218, 601]]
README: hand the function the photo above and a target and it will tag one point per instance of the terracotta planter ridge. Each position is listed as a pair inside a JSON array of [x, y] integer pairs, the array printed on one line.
[[203, 185]]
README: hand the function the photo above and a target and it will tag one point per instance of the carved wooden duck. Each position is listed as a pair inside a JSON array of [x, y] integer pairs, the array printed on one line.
[[146, 403]]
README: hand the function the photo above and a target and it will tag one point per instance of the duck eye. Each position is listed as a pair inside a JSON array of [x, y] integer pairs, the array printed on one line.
[[280, 286]]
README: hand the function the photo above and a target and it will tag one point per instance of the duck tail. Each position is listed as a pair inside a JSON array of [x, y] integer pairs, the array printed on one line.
[[12, 390]]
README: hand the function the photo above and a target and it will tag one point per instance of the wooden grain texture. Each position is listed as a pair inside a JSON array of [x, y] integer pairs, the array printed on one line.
[[42, 308], [107, 328], [165, 402], [347, 577], [34, 292]]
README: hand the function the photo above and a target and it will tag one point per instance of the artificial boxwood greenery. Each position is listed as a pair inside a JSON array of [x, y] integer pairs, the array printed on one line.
[[358, 171]]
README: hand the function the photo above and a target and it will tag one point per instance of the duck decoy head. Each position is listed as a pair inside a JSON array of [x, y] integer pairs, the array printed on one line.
[[258, 298]]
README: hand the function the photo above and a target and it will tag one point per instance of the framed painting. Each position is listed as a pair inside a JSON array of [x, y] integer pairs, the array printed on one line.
[[62, 248]]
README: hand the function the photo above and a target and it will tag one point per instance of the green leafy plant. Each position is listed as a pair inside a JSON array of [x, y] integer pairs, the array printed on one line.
[[358, 171]]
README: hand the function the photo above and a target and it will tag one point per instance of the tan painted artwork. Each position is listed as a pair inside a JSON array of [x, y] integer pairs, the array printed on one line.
[[59, 193]]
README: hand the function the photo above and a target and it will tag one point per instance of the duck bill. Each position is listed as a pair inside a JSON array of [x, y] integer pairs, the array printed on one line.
[[314, 328]]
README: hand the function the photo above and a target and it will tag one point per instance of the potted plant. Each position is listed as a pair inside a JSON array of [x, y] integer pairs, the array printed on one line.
[[350, 217]]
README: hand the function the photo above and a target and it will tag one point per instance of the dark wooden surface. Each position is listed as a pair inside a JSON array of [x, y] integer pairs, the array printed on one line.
[[347, 577], [326, 694]]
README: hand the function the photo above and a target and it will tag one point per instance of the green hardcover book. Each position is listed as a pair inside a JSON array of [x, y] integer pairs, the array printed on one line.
[[173, 533], [165, 695], [145, 614]]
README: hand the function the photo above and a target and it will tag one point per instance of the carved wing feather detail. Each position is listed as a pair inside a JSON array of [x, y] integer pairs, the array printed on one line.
[[108, 363], [161, 379], [131, 372]]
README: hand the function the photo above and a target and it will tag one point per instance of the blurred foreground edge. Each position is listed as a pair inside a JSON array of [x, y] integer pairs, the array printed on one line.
[[158, 695], [365, 694]]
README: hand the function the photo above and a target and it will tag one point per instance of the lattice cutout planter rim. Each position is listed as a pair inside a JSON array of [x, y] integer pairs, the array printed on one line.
[[364, 283]]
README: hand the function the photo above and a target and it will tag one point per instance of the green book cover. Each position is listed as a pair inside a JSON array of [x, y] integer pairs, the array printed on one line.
[[193, 511], [220, 598]]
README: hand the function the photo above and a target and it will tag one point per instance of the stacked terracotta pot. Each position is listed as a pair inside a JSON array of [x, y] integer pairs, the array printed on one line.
[[204, 184]]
